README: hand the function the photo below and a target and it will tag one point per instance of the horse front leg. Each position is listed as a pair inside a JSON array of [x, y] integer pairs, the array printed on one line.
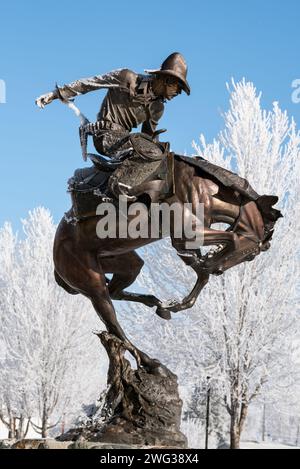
[[226, 241], [125, 269], [248, 242], [198, 264], [189, 301], [117, 292]]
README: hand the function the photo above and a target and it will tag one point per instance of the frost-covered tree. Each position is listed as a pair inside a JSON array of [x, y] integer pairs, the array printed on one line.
[[245, 324], [243, 332], [53, 363], [253, 324], [13, 404]]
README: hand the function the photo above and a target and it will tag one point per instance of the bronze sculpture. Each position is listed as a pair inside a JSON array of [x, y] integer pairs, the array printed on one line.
[[142, 168], [132, 99], [82, 259]]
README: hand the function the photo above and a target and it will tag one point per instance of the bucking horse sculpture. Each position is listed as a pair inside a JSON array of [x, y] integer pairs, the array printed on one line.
[[83, 258]]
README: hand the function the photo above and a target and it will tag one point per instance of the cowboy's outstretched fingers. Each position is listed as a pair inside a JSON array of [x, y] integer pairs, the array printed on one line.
[[45, 99]]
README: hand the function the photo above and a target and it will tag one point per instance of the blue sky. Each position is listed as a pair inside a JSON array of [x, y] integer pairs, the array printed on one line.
[[43, 42]]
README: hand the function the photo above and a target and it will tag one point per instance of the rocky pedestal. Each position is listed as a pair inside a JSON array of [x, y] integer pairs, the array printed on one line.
[[142, 407]]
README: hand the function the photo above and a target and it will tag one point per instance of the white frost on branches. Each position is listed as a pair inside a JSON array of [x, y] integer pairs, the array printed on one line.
[[52, 362], [244, 330]]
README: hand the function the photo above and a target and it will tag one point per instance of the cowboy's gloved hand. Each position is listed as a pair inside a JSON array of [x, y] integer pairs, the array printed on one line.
[[45, 99]]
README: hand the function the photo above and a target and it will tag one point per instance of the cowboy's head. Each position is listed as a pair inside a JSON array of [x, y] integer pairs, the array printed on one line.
[[170, 79]]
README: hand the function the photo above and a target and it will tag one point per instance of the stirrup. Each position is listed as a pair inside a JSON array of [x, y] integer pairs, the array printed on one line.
[[118, 189], [102, 163], [122, 190]]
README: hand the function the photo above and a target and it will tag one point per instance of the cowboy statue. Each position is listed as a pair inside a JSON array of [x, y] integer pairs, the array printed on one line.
[[140, 167], [137, 158], [132, 99]]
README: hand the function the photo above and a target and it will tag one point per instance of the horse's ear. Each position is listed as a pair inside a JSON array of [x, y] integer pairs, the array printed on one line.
[[265, 204], [273, 199], [269, 236]]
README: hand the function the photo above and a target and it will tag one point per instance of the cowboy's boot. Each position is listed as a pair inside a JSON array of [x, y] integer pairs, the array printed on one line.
[[132, 173], [144, 162]]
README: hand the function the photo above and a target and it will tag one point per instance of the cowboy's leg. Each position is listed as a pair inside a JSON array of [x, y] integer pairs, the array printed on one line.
[[111, 142], [137, 169]]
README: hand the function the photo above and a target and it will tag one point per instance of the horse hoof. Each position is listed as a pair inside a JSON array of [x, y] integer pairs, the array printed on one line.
[[219, 272], [163, 313]]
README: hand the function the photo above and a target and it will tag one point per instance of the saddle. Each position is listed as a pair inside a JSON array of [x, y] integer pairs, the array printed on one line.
[[89, 186]]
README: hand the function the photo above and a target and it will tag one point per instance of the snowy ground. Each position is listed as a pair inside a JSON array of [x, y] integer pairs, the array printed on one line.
[[244, 444], [251, 445]]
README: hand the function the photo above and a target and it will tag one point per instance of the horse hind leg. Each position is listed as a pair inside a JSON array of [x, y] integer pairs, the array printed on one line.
[[103, 305], [64, 285], [85, 275]]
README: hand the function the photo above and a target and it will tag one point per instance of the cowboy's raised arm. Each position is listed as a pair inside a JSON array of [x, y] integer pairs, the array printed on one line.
[[122, 78]]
